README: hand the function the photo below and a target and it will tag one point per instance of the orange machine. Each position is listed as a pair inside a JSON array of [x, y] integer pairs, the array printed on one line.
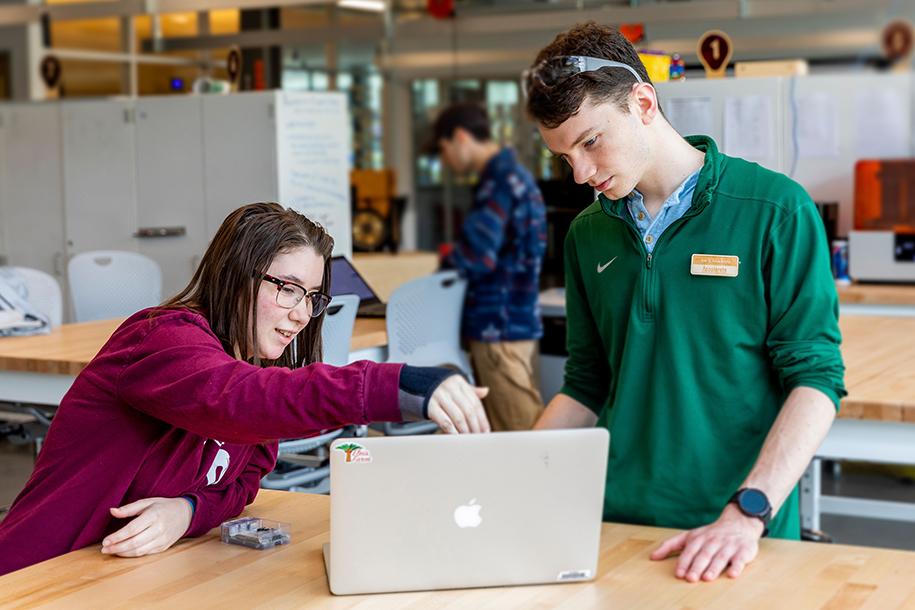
[[376, 209], [885, 195], [881, 248]]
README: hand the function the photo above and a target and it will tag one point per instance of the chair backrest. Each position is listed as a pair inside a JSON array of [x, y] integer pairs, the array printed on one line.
[[337, 331], [44, 293], [112, 284], [424, 321]]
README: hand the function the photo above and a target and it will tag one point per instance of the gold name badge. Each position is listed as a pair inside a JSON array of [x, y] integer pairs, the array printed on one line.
[[714, 265]]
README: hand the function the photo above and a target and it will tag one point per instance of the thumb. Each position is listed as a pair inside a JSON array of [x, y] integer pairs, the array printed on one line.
[[132, 509], [481, 392]]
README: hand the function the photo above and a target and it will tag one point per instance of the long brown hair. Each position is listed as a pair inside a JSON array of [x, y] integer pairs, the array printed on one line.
[[225, 286]]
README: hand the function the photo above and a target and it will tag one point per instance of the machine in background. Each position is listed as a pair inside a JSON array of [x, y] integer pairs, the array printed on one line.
[[881, 248]]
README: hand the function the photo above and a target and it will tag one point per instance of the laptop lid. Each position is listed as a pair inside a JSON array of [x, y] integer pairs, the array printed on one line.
[[452, 511], [345, 279]]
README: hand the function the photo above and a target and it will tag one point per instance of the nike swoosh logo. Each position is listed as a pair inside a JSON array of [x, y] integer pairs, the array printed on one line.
[[600, 268]]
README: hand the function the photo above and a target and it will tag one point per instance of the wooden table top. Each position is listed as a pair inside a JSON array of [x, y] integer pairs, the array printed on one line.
[[206, 573], [877, 294], [879, 357], [70, 347], [879, 354], [384, 272]]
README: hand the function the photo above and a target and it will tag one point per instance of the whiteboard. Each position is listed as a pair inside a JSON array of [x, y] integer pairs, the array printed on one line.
[[314, 147]]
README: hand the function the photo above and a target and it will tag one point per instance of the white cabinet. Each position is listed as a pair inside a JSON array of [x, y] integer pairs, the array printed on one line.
[[170, 186], [93, 175], [100, 195], [239, 135], [31, 188]]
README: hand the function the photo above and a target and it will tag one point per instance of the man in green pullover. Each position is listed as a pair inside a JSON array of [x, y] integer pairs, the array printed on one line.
[[702, 315]]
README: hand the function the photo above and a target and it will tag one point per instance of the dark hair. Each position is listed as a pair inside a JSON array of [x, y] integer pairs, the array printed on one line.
[[470, 116], [225, 286], [552, 107]]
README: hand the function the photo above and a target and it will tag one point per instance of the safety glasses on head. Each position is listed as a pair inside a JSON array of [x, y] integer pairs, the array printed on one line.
[[553, 71]]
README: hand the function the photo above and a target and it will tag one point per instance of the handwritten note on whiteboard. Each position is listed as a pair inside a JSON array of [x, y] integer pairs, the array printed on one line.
[[313, 160]]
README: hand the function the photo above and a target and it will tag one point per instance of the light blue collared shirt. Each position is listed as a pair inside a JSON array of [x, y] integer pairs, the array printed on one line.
[[675, 207]]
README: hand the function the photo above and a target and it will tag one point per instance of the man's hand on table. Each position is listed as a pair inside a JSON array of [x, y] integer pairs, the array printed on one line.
[[159, 523], [730, 542]]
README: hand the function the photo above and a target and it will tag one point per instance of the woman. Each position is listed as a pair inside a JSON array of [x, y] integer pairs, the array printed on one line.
[[168, 431]]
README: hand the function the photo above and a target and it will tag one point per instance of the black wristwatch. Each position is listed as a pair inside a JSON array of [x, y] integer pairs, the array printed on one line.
[[754, 503]]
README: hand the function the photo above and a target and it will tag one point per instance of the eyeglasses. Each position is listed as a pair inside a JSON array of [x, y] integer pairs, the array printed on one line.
[[553, 71], [290, 294]]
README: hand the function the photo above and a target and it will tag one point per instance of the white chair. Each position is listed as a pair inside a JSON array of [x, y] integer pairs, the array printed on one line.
[[424, 329], [23, 423], [337, 331], [44, 293], [112, 284]]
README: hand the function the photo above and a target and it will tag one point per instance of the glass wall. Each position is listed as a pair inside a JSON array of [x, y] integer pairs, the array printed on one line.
[[304, 69]]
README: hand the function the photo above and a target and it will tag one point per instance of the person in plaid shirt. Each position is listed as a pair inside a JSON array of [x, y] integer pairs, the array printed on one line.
[[500, 252]]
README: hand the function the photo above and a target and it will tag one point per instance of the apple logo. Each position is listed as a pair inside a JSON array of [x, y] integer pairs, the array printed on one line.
[[468, 515]]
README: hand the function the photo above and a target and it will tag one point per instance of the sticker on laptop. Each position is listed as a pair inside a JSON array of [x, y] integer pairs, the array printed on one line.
[[715, 265], [571, 575], [355, 453]]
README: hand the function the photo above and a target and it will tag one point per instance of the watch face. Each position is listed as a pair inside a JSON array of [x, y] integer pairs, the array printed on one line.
[[753, 502]]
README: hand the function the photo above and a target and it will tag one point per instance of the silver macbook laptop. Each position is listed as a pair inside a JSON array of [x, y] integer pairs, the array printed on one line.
[[453, 511]]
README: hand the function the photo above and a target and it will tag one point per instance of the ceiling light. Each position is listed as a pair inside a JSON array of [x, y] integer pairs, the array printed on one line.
[[376, 6]]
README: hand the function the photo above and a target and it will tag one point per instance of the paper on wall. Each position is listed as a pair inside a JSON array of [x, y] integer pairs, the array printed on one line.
[[882, 125], [748, 127], [690, 115], [817, 126]]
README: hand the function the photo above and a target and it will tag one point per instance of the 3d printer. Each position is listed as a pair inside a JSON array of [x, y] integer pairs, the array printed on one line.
[[881, 248]]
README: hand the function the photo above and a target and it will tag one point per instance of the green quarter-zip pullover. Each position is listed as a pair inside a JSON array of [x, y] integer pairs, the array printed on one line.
[[688, 353]]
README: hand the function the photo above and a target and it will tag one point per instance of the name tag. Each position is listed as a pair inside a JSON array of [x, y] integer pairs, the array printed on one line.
[[714, 265]]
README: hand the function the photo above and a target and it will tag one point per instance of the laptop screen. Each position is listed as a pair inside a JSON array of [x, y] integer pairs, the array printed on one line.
[[346, 280]]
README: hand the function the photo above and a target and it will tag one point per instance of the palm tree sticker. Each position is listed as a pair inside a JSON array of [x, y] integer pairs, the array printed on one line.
[[348, 449]]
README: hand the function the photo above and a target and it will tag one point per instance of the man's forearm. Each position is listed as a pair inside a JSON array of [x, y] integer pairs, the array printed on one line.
[[798, 430], [565, 412]]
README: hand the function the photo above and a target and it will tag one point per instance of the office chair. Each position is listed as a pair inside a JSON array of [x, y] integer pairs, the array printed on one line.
[[112, 284], [44, 293], [25, 423], [424, 329], [302, 464]]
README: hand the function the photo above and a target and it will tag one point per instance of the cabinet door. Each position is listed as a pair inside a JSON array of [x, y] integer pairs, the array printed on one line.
[[170, 192], [239, 153], [99, 183], [32, 188]]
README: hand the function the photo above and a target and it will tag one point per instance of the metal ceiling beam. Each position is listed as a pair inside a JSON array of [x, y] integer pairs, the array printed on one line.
[[254, 39], [30, 13]]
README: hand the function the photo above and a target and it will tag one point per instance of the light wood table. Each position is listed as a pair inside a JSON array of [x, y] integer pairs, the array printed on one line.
[[385, 272], [877, 294], [40, 369], [208, 574], [876, 422], [879, 355]]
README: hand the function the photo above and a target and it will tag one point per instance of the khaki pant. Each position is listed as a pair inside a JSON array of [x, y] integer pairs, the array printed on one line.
[[510, 369]]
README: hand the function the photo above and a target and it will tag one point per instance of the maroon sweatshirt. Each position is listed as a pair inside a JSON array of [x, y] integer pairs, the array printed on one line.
[[163, 410]]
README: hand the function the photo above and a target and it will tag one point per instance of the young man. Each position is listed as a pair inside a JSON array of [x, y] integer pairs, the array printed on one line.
[[702, 315], [500, 252]]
